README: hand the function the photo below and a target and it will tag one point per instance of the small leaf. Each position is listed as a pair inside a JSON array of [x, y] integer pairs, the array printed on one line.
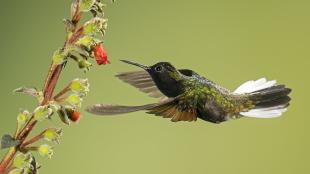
[[27, 90], [8, 141]]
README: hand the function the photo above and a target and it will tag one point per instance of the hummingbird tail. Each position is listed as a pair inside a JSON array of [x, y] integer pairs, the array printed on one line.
[[104, 109], [270, 100]]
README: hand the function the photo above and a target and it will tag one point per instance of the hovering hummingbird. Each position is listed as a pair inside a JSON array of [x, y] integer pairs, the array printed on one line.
[[185, 96]]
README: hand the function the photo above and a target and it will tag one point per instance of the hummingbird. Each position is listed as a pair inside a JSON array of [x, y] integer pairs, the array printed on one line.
[[184, 95]]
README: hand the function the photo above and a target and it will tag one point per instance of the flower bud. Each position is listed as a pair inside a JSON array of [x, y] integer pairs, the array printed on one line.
[[22, 160], [100, 54], [86, 5], [42, 112], [86, 41], [58, 57], [95, 25], [84, 64], [52, 134], [45, 150], [80, 86], [23, 117], [73, 115], [74, 100]]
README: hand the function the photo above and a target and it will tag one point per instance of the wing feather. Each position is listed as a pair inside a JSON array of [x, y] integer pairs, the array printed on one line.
[[171, 110], [143, 81]]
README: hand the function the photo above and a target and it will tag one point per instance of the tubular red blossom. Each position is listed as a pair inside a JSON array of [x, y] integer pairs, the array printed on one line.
[[100, 54], [75, 116]]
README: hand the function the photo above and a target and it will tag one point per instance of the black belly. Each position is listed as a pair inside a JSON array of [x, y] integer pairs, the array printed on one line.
[[212, 112]]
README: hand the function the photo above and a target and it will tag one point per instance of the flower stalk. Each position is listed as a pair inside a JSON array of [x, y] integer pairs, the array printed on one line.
[[78, 88]]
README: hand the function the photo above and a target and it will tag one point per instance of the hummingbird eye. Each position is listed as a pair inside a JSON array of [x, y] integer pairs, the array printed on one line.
[[158, 68]]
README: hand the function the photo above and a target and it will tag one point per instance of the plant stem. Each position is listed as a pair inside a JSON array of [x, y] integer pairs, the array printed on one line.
[[5, 163], [62, 92], [32, 140], [48, 89]]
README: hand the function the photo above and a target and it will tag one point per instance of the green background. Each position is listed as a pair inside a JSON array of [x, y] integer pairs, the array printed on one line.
[[227, 41]]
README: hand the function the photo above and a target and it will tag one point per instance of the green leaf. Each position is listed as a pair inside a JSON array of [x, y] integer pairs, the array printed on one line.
[[86, 5], [8, 141]]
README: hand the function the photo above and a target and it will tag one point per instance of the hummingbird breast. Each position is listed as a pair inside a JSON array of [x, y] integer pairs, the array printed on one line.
[[169, 86]]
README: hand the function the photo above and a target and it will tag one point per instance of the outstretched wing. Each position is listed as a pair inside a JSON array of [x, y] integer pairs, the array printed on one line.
[[144, 82], [141, 80], [173, 110]]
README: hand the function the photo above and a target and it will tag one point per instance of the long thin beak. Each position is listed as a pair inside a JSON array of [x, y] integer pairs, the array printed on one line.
[[136, 64]]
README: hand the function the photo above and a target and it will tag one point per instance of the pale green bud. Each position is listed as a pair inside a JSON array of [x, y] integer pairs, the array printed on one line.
[[95, 25], [42, 112], [22, 160], [80, 86], [86, 5], [23, 117], [45, 150], [52, 134], [74, 100], [58, 57]]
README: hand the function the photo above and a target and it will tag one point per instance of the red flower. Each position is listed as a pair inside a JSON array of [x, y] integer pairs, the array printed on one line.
[[100, 54], [73, 115]]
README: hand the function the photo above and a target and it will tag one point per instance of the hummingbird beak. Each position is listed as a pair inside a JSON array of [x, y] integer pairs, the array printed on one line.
[[136, 64]]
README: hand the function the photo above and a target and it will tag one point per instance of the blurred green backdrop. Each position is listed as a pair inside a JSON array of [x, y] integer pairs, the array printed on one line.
[[227, 41]]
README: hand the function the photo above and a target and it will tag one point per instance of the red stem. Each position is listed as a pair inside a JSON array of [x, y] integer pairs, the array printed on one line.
[[48, 89]]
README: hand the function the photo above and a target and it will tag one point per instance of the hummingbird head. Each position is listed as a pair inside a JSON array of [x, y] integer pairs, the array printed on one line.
[[166, 77]]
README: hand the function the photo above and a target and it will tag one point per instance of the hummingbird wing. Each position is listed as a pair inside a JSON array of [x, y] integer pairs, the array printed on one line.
[[174, 110], [143, 81]]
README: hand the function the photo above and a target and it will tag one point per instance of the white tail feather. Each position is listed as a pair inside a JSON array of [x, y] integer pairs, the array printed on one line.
[[252, 86], [263, 113]]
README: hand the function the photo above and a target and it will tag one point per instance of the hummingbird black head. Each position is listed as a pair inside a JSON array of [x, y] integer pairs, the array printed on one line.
[[166, 77]]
